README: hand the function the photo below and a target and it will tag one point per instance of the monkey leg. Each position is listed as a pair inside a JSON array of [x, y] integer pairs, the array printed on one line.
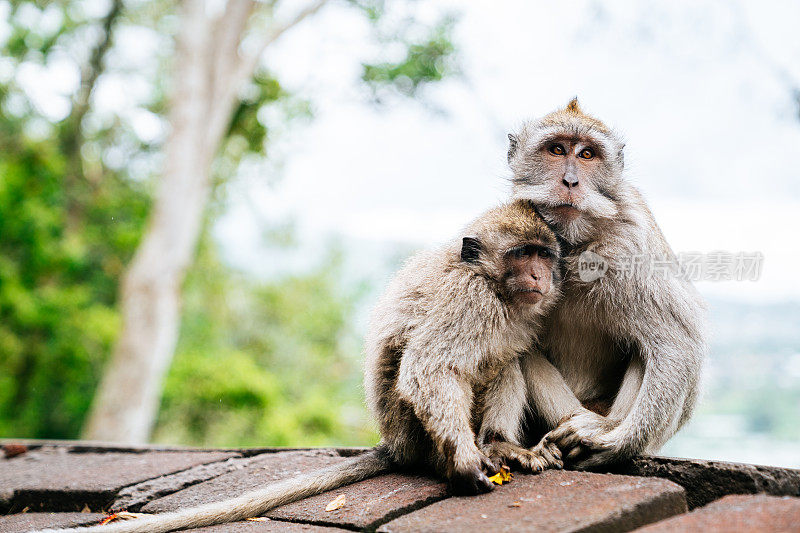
[[579, 434], [585, 439], [505, 401], [548, 394]]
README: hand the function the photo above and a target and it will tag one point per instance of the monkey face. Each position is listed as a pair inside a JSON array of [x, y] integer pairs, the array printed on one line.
[[529, 274], [569, 177], [514, 248], [569, 165]]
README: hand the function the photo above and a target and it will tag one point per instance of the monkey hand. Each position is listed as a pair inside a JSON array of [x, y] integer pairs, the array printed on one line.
[[583, 434], [472, 478], [537, 459]]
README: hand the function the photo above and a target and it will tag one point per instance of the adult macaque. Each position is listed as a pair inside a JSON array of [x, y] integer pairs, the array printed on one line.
[[450, 321], [621, 355]]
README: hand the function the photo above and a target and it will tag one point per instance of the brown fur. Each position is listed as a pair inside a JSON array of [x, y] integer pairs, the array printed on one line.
[[439, 337]]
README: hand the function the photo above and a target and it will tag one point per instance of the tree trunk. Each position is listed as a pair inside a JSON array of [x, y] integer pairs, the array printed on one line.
[[207, 71], [126, 403]]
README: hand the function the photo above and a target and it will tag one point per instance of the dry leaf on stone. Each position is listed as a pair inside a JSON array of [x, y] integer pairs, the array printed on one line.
[[13, 450], [503, 476], [336, 503], [122, 515], [259, 519]]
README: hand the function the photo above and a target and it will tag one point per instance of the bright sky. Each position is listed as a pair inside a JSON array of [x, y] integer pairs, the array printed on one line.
[[698, 89], [701, 90]]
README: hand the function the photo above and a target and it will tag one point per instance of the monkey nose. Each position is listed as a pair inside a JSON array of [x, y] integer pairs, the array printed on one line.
[[570, 181]]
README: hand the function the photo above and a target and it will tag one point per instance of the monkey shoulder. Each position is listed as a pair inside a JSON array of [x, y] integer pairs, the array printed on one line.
[[642, 290]]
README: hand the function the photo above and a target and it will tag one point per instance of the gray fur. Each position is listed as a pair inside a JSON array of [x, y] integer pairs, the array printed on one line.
[[635, 344]]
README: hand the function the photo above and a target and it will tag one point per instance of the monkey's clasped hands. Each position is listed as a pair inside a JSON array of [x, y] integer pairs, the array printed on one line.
[[585, 439]]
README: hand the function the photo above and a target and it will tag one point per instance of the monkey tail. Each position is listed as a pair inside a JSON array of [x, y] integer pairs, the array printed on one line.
[[253, 503]]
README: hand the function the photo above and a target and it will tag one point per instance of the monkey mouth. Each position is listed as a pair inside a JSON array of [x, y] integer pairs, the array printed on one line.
[[529, 296], [567, 211]]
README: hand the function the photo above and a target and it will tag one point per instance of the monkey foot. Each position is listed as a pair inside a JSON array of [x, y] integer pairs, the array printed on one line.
[[537, 459]]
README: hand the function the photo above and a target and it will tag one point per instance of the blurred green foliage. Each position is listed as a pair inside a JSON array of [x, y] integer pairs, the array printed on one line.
[[58, 278], [258, 362], [286, 350], [426, 61]]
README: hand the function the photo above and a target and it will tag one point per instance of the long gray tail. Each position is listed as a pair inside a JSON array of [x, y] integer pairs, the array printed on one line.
[[252, 503]]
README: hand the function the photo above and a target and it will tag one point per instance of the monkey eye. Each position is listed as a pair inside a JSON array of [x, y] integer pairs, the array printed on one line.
[[557, 149], [530, 250], [586, 153], [521, 252]]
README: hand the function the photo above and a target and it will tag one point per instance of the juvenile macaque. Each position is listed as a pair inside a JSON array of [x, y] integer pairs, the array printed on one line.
[[620, 355], [450, 321]]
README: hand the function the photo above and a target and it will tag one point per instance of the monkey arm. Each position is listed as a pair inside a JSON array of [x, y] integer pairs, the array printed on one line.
[[441, 399], [669, 343], [548, 393], [659, 386]]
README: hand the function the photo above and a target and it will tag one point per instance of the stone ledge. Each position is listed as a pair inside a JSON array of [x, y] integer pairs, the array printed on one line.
[[74, 476], [551, 502], [752, 513], [706, 481]]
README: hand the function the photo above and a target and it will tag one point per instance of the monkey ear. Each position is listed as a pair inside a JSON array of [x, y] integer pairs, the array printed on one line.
[[573, 105], [470, 249], [513, 142]]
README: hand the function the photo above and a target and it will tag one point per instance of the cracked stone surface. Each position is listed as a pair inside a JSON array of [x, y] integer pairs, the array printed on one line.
[[132, 498], [706, 481], [58, 479], [367, 503], [24, 522], [257, 472], [754, 514], [553, 501]]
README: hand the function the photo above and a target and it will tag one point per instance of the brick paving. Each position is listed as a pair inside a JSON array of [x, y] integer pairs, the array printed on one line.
[[44, 485], [553, 501], [751, 513]]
